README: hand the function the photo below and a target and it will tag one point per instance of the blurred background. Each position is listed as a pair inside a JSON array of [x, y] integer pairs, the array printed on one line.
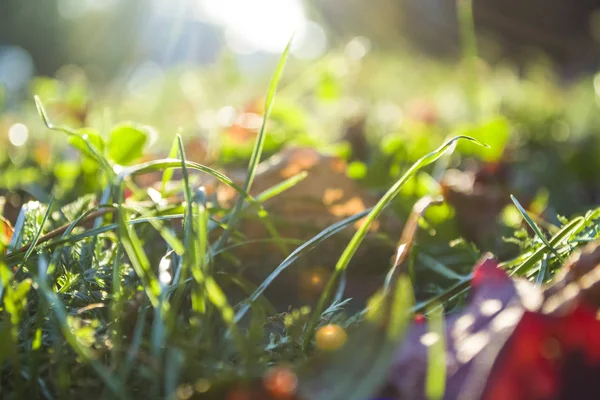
[[387, 79], [115, 38]]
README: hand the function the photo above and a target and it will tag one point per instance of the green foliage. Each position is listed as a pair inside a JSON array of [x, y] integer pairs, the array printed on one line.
[[131, 296], [126, 143]]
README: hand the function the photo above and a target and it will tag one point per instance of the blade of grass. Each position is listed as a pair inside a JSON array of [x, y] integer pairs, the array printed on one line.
[[135, 252], [264, 196], [260, 140], [97, 155], [191, 257], [136, 344], [454, 290], [66, 229], [248, 287], [567, 231], [173, 365], [168, 236], [200, 268], [541, 276], [116, 307], [438, 267], [60, 315], [168, 174], [157, 165], [535, 228], [16, 256], [435, 381], [469, 49], [196, 255], [359, 368], [37, 235], [408, 235], [299, 252], [17, 236], [360, 234]]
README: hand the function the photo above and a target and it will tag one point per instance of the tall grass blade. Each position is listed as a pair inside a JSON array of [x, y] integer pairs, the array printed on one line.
[[360, 234], [260, 140], [468, 38], [435, 381]]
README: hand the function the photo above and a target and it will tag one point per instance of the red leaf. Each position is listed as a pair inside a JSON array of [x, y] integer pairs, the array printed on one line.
[[503, 346]]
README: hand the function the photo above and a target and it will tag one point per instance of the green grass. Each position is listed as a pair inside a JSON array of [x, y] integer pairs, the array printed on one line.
[[130, 298]]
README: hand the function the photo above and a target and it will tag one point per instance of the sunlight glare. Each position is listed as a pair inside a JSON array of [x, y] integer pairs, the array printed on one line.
[[263, 25]]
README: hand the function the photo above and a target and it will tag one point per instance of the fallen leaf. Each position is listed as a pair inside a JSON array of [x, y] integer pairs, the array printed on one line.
[[478, 200], [326, 196], [509, 344]]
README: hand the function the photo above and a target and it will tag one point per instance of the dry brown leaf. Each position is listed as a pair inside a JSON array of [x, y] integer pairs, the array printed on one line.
[[326, 196], [477, 205]]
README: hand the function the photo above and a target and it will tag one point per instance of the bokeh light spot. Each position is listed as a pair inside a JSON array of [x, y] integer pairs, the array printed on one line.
[[18, 134], [330, 337]]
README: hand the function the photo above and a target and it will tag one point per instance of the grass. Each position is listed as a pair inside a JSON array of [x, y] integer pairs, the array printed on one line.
[[111, 293]]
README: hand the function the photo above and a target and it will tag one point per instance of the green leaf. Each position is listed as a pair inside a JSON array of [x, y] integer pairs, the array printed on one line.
[[126, 142], [92, 136], [494, 132]]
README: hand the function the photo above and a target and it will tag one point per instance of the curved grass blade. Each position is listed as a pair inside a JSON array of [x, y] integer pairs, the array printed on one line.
[[168, 163], [360, 234], [158, 165], [65, 230], [16, 256], [260, 139], [97, 155]]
